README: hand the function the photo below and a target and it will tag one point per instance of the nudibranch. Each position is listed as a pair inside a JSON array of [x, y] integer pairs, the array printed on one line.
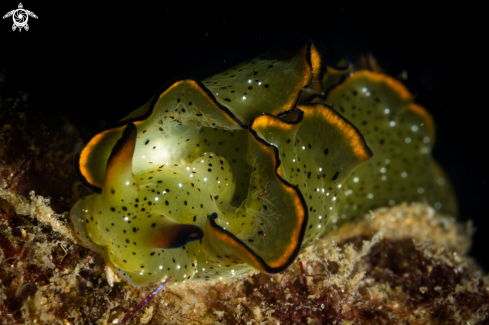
[[240, 171]]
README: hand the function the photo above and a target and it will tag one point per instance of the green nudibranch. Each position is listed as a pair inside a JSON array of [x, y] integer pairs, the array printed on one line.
[[240, 171]]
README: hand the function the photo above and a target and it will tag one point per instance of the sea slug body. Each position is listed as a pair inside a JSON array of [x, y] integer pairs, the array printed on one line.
[[211, 179]]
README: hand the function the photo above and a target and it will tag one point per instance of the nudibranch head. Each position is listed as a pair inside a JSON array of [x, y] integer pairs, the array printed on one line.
[[211, 179]]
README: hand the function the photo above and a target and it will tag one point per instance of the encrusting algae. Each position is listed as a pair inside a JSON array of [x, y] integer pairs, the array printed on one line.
[[404, 264], [400, 264]]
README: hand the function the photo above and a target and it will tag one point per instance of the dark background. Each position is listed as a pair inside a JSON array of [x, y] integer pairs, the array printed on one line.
[[96, 63]]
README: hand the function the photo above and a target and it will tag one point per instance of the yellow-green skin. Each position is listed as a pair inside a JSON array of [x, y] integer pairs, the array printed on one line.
[[213, 163], [401, 135]]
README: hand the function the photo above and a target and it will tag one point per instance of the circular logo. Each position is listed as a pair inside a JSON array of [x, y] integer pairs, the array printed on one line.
[[20, 18]]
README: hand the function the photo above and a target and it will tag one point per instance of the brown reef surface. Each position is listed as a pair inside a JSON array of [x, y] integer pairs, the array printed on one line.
[[400, 265]]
